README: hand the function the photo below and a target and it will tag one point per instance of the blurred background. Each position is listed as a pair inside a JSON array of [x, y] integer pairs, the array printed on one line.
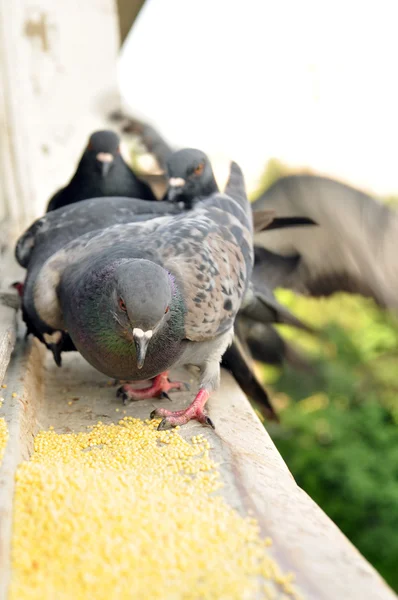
[[280, 87], [311, 83]]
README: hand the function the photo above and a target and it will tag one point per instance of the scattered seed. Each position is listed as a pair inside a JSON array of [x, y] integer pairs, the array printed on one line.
[[118, 510]]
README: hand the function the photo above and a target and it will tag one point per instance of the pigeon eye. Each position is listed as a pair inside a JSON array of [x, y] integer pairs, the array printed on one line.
[[167, 310], [122, 304], [199, 169]]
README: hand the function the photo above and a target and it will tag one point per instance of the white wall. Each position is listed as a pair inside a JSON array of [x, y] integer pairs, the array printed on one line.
[[58, 73]]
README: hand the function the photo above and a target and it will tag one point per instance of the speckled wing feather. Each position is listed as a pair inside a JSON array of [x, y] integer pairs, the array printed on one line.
[[208, 250], [213, 261]]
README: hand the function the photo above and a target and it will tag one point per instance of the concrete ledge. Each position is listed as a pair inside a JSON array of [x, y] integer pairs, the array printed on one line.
[[305, 540]]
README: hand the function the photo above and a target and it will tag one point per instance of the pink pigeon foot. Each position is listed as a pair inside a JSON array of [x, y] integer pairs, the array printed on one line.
[[158, 389], [180, 417]]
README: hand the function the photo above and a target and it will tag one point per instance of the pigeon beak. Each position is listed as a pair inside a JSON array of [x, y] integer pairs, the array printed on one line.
[[141, 340], [175, 189], [105, 160]]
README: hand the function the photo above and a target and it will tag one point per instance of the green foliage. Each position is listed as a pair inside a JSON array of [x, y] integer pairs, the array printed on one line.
[[339, 424], [339, 431]]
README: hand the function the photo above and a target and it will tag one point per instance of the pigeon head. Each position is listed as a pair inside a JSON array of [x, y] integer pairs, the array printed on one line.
[[190, 177], [103, 148], [141, 300]]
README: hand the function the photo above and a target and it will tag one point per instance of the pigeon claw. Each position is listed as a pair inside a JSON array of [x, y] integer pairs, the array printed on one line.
[[209, 422], [122, 394], [164, 425]]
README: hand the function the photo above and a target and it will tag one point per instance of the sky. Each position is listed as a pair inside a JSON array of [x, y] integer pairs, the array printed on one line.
[[313, 83]]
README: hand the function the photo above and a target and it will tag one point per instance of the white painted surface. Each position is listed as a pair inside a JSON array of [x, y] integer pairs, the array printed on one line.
[[312, 83], [58, 73]]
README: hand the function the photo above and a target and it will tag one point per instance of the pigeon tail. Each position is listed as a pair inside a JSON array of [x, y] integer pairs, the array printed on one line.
[[236, 361], [235, 187]]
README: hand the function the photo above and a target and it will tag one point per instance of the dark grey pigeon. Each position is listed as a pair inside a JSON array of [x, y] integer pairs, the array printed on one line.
[[140, 298], [101, 171], [353, 249], [190, 177]]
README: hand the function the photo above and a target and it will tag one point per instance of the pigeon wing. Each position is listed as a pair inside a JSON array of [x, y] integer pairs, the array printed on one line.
[[353, 247]]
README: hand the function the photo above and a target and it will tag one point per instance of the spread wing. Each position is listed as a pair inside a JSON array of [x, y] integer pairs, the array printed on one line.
[[353, 248]]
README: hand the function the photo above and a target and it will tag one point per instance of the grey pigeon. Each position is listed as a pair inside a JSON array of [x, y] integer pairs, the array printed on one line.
[[101, 171], [353, 249], [140, 298], [53, 231]]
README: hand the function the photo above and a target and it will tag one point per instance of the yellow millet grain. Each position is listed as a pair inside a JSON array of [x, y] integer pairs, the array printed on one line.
[[3, 437], [125, 511]]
